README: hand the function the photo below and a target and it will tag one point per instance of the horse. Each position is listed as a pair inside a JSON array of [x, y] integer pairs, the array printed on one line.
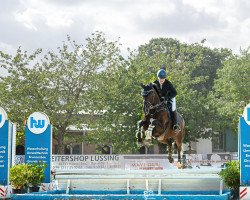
[[157, 123]]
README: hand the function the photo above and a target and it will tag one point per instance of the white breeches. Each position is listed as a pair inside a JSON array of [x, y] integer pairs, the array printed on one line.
[[173, 104]]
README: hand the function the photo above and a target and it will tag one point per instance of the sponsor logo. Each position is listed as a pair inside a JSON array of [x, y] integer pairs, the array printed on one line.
[[38, 122], [246, 114], [3, 117]]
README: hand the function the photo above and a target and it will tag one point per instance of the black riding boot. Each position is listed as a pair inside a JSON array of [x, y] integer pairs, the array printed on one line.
[[176, 126]]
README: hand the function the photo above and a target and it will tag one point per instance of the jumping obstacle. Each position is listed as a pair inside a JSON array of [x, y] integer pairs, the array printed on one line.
[[161, 179], [200, 183], [174, 180]]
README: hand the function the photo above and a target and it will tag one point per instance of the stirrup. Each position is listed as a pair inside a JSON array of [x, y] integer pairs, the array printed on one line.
[[176, 128]]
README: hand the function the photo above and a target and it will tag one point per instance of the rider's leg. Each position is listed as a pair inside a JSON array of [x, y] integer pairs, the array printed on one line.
[[176, 126]]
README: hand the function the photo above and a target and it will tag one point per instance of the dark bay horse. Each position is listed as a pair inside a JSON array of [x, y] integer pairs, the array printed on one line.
[[157, 122]]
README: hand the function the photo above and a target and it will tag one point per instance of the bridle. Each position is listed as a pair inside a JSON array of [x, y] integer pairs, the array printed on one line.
[[148, 107]]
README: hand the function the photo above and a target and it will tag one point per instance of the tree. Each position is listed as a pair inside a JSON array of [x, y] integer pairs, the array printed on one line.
[[13, 86], [59, 84], [231, 87], [117, 96], [191, 67]]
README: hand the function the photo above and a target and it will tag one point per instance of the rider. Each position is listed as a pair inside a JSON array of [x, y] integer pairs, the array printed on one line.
[[167, 92]]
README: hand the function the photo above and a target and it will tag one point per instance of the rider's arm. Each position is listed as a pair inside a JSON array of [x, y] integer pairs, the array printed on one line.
[[171, 91]]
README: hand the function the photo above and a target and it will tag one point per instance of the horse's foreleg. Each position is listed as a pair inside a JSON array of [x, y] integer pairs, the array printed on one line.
[[139, 131], [149, 130]]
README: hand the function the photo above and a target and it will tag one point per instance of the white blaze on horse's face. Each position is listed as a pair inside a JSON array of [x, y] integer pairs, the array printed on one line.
[[161, 80]]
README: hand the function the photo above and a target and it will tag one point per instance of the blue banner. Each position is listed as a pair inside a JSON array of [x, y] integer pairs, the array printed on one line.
[[244, 147], [4, 151], [4, 148], [38, 136]]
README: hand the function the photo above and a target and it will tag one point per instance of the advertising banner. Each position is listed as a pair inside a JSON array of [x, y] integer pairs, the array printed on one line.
[[135, 162], [6, 139], [38, 137], [244, 147]]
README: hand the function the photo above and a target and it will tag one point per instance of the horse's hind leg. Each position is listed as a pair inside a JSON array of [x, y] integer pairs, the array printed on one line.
[[170, 158], [179, 149]]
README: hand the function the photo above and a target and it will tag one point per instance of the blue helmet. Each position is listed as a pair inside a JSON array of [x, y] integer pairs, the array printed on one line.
[[161, 74]]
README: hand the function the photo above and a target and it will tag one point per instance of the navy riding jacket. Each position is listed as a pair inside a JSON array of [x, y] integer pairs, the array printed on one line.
[[167, 91]]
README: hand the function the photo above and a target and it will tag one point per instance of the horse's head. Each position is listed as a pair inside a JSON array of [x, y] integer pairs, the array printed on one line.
[[150, 97], [149, 93]]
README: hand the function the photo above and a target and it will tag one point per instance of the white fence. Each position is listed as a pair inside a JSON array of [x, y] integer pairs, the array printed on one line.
[[166, 180], [138, 172]]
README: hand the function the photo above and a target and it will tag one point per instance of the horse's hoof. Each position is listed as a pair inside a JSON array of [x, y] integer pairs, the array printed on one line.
[[171, 160], [179, 165]]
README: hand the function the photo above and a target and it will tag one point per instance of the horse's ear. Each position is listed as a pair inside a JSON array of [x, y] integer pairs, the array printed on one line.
[[142, 85]]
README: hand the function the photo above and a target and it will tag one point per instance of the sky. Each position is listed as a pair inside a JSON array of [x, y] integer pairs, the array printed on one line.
[[45, 24]]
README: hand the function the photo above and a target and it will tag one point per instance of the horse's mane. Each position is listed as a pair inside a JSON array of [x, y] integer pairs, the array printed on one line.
[[148, 87], [151, 86], [157, 89]]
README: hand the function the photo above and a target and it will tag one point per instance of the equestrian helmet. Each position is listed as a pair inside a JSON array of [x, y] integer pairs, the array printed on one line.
[[161, 74]]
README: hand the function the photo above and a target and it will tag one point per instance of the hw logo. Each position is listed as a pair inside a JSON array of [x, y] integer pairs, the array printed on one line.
[[246, 114], [38, 122], [3, 117]]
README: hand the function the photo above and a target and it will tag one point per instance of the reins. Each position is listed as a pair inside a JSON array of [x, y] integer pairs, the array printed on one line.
[[148, 106]]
